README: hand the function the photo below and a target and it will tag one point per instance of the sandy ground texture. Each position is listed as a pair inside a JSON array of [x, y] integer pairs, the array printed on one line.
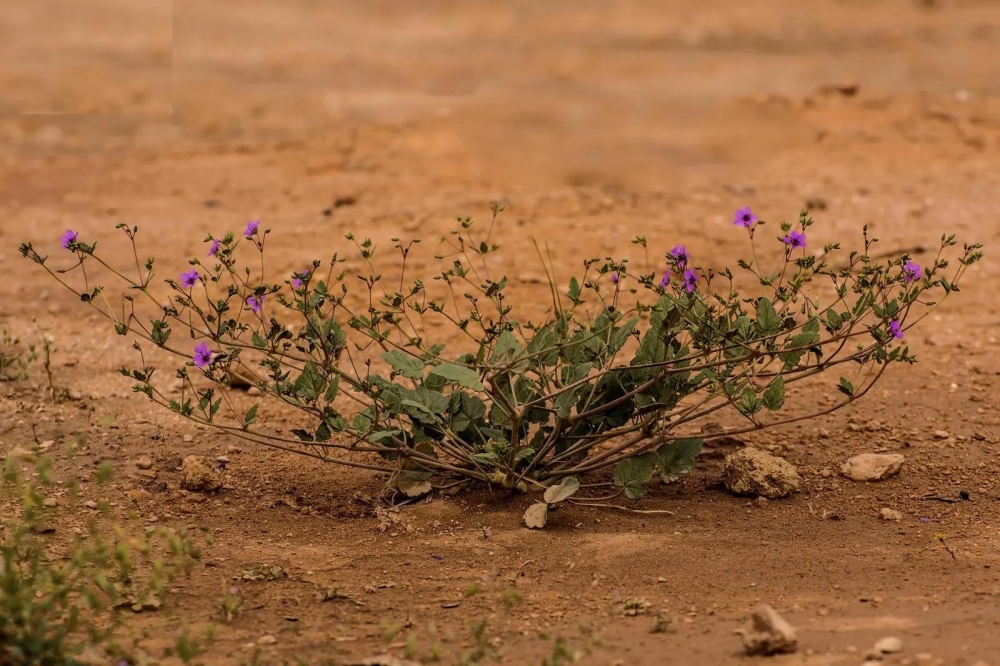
[[593, 122]]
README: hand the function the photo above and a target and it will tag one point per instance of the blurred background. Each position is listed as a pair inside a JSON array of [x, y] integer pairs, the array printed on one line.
[[568, 91]]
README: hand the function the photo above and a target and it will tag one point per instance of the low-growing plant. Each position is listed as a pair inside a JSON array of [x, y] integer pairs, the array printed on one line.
[[616, 373], [15, 357], [58, 603]]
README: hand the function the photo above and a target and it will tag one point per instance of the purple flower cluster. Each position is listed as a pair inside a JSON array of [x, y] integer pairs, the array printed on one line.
[[795, 239], [69, 238], [745, 218], [911, 272], [297, 278], [680, 255], [203, 356], [688, 280], [190, 278]]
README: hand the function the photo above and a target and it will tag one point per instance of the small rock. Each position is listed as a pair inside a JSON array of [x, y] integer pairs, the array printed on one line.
[[144, 462], [890, 514], [222, 459], [47, 444], [768, 633], [253, 390], [75, 395], [889, 645], [753, 472], [90, 504], [20, 453], [188, 438], [872, 466], [233, 449], [268, 639], [941, 434], [50, 502], [197, 475]]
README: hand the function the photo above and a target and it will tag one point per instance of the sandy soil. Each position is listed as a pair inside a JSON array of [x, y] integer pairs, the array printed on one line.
[[593, 122]]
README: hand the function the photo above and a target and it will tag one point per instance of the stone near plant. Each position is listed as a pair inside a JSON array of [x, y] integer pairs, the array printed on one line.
[[756, 473]]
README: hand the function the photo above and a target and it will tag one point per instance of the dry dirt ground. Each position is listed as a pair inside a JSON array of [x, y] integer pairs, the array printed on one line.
[[593, 122]]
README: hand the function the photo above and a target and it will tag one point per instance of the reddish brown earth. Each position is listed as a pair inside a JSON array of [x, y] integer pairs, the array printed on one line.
[[594, 122]]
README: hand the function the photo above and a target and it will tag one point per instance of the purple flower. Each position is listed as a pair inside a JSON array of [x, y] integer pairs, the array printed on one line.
[[251, 229], [689, 280], [614, 278], [190, 278], [665, 280], [745, 218], [894, 329], [255, 303], [795, 239], [680, 255], [69, 237], [215, 247], [299, 277], [202, 356], [911, 272]]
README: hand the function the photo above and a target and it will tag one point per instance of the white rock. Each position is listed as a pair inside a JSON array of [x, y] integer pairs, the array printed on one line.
[[768, 633], [872, 466], [889, 645], [268, 639], [755, 473], [890, 514]]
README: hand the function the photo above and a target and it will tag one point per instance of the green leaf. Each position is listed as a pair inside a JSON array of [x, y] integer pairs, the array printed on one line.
[[676, 458], [425, 405], [331, 390], [258, 342], [846, 387], [404, 364], [251, 416], [574, 290], [634, 473], [558, 493], [774, 395], [310, 384], [749, 402], [768, 322], [506, 351], [464, 377], [621, 335]]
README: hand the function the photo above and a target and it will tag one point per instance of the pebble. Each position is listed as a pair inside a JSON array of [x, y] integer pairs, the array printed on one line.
[[75, 395], [872, 466], [756, 473], [253, 390], [233, 449], [144, 462], [889, 645], [90, 504], [268, 639], [768, 633], [222, 459], [50, 502], [188, 438], [890, 514], [941, 434], [47, 444]]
